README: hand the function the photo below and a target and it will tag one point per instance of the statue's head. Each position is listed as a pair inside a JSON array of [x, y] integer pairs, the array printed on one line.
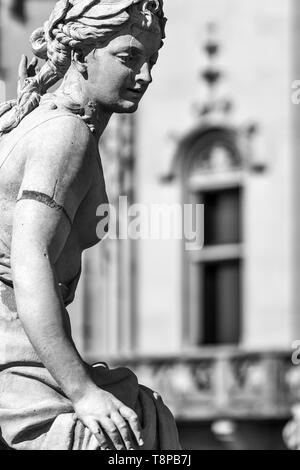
[[113, 44]]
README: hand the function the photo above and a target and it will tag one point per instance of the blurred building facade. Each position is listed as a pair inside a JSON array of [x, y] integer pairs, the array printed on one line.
[[211, 329]]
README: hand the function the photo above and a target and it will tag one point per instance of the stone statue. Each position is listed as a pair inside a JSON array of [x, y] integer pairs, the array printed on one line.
[[51, 183]]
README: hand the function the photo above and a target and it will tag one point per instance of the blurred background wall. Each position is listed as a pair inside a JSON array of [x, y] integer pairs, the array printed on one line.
[[211, 329]]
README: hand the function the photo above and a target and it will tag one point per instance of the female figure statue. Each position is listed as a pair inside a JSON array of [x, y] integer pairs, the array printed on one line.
[[51, 183]]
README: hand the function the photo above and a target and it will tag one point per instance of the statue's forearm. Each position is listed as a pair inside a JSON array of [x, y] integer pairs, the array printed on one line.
[[42, 314]]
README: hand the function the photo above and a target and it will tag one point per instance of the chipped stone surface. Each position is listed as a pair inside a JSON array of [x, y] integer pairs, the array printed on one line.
[[8, 309]]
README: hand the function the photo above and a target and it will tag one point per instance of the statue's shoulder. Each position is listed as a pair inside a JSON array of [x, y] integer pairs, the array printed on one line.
[[56, 127], [56, 146], [53, 131], [49, 116]]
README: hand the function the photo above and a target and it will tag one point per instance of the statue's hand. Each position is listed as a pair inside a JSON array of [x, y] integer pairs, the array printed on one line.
[[114, 425], [26, 71]]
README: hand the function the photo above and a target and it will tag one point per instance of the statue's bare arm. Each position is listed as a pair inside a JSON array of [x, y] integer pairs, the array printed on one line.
[[56, 179]]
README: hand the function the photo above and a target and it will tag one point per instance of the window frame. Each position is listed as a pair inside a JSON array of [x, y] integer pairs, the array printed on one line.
[[189, 149]]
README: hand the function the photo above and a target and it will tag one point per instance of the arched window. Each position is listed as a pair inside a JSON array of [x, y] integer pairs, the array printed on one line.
[[212, 175]]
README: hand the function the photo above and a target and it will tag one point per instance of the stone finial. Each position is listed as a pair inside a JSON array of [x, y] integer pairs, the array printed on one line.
[[211, 75]]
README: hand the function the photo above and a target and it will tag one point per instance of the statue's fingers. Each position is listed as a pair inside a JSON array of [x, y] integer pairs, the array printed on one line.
[[133, 421], [22, 71], [96, 430], [124, 430], [33, 62], [32, 67], [112, 432], [7, 106], [104, 442]]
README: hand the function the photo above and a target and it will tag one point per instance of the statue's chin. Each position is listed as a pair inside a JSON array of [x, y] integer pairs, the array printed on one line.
[[126, 108]]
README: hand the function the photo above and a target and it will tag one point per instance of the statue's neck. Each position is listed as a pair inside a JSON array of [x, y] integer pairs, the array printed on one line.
[[73, 95]]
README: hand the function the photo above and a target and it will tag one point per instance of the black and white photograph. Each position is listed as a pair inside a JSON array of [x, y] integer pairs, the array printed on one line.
[[149, 227]]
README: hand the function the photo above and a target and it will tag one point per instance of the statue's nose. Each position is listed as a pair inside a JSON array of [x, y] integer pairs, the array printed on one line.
[[145, 74]]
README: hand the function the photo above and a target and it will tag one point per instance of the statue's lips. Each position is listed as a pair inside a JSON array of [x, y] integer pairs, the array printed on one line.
[[138, 92]]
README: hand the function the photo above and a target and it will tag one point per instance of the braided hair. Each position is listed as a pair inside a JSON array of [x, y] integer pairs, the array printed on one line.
[[75, 26]]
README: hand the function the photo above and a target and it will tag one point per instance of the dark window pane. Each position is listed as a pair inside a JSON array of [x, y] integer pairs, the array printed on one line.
[[222, 211], [221, 303]]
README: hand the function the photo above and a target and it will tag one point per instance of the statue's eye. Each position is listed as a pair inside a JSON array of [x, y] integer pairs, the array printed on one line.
[[130, 57], [126, 58]]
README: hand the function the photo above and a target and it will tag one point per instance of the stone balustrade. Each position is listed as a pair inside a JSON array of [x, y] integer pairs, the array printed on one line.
[[225, 383]]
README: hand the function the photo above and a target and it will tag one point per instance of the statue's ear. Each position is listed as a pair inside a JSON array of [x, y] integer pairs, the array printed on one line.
[[79, 60]]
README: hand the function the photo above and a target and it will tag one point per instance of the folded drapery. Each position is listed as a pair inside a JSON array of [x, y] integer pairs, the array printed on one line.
[[36, 415]]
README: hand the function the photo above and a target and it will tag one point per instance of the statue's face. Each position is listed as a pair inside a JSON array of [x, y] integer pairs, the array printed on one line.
[[120, 73]]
